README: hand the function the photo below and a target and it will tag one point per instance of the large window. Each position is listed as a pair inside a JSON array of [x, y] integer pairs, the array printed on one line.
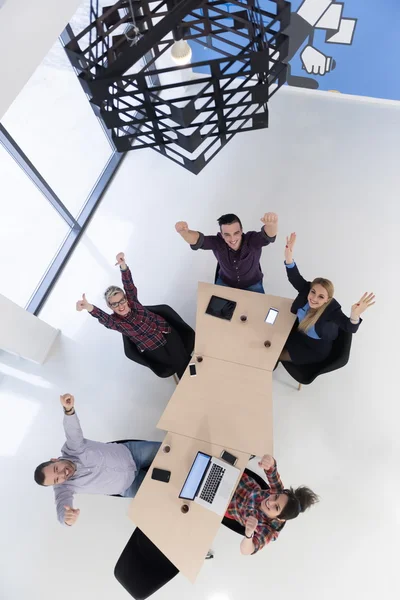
[[54, 124], [54, 167]]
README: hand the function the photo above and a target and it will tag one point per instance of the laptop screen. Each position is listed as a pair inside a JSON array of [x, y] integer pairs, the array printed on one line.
[[196, 474]]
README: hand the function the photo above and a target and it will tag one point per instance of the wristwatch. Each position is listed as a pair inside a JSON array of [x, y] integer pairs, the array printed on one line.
[[69, 411], [248, 536]]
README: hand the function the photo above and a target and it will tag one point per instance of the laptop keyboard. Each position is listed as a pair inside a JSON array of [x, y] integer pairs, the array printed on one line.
[[212, 483]]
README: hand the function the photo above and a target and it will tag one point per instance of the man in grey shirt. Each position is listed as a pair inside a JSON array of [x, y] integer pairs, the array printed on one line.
[[92, 467]]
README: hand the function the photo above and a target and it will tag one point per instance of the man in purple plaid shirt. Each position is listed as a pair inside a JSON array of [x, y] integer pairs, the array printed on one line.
[[263, 513], [151, 333]]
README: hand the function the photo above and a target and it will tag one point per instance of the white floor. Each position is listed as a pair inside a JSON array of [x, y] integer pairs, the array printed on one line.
[[329, 167]]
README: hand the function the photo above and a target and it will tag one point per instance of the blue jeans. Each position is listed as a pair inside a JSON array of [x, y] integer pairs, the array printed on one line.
[[256, 287], [143, 454]]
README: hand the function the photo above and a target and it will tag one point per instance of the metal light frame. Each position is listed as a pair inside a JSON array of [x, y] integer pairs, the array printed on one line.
[[188, 122]]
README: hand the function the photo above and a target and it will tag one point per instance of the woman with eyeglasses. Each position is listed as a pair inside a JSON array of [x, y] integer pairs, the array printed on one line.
[[154, 338], [319, 315]]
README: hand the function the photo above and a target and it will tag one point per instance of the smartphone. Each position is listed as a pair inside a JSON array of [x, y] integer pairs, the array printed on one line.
[[161, 475], [271, 316], [192, 370], [229, 458]]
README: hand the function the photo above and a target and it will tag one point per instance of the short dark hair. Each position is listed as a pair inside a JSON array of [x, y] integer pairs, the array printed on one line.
[[298, 501], [229, 219], [38, 474]]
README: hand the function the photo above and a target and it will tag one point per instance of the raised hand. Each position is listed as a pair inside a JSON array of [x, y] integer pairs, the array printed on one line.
[[181, 226], [267, 462], [251, 525], [365, 302], [290, 242], [71, 515], [120, 258], [83, 304], [67, 401], [270, 221]]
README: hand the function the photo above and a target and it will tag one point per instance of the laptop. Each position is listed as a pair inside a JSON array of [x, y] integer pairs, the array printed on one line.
[[210, 483]]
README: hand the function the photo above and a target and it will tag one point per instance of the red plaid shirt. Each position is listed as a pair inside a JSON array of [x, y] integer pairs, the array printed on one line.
[[143, 327], [246, 502]]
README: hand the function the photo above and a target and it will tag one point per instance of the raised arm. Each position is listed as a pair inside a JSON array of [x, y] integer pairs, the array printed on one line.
[[297, 281], [270, 221], [103, 317], [64, 496], [73, 433], [126, 276], [191, 237], [352, 323], [268, 463]]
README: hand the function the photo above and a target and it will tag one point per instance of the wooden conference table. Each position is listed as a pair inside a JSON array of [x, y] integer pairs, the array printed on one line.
[[226, 406], [184, 538]]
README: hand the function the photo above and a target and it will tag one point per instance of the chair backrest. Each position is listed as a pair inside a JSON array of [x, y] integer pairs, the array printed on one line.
[[183, 329], [142, 568], [338, 358]]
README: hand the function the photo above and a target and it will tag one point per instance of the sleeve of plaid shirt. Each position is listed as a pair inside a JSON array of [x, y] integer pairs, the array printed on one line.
[[274, 480], [104, 318], [129, 286], [264, 533]]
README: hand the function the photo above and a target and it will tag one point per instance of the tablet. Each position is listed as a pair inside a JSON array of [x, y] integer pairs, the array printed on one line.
[[221, 308]]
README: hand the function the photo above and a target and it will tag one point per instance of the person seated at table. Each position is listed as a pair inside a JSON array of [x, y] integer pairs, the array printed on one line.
[[238, 254], [264, 513], [92, 467], [319, 315], [152, 335]]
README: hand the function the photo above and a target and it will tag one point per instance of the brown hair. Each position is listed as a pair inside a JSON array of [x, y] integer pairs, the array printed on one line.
[[313, 315]]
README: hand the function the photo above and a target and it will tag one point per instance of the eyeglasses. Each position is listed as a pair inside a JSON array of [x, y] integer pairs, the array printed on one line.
[[120, 303]]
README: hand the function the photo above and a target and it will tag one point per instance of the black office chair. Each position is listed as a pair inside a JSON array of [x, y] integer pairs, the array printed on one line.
[[235, 525], [184, 330], [142, 568], [338, 358]]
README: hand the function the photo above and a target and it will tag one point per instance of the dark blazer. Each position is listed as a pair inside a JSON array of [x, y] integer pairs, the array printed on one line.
[[331, 320]]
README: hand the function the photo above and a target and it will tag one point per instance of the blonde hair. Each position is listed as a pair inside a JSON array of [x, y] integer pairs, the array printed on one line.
[[111, 291], [313, 315]]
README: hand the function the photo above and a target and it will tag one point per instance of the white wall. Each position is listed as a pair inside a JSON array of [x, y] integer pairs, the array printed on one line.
[[28, 29], [330, 167], [24, 334]]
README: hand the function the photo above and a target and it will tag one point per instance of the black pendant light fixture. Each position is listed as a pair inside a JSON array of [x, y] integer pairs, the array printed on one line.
[[140, 63]]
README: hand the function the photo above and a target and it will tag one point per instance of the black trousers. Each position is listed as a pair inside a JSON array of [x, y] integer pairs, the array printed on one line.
[[172, 354]]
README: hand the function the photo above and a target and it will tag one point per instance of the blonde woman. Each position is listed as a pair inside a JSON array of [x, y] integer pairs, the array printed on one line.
[[319, 316]]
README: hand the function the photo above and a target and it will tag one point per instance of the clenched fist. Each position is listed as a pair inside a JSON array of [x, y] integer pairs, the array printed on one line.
[[181, 226], [251, 526], [270, 221], [267, 462], [67, 401], [120, 258], [71, 515]]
